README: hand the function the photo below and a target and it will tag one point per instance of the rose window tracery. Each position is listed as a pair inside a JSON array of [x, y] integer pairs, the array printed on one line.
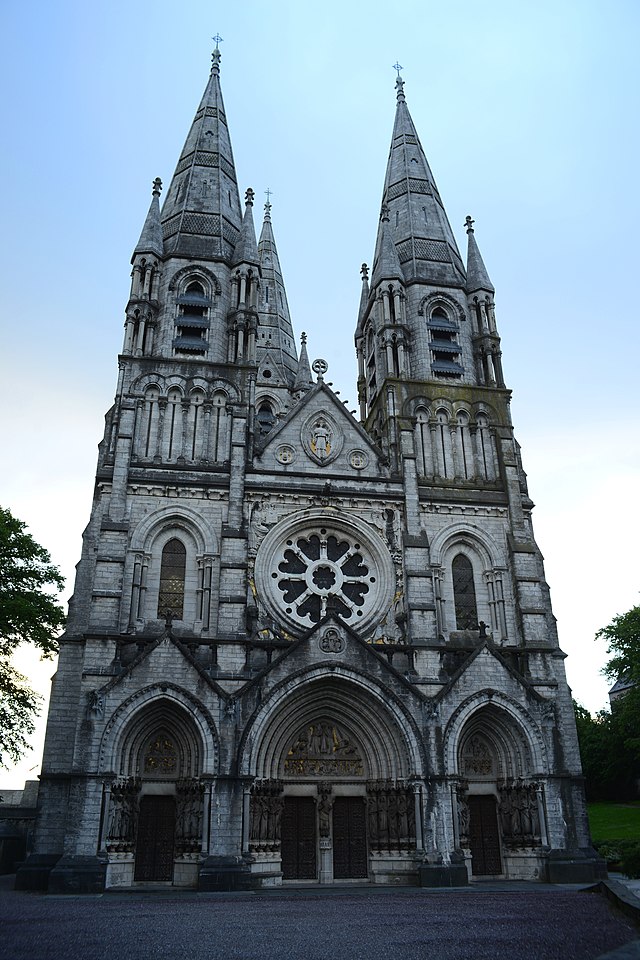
[[320, 570]]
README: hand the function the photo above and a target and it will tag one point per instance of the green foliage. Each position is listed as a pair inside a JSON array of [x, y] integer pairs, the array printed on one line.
[[29, 613], [614, 822], [623, 644]]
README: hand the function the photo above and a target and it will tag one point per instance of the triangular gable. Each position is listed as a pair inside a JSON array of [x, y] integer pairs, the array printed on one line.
[[167, 657], [267, 361], [333, 643], [472, 666], [319, 432]]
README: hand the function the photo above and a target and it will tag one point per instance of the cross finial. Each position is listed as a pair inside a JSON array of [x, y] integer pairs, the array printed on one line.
[[215, 56], [364, 270], [157, 187], [399, 81], [469, 224], [249, 195], [398, 67], [303, 337], [267, 194]]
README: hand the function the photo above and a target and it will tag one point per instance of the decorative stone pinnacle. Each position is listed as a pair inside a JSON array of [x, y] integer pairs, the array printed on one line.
[[303, 337], [469, 224], [364, 270], [157, 187], [248, 197]]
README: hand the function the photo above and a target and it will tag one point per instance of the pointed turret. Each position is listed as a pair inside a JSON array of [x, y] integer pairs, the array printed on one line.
[[246, 249], [201, 216], [421, 232], [304, 380], [276, 331], [486, 341], [364, 298], [477, 276], [151, 237], [387, 264]]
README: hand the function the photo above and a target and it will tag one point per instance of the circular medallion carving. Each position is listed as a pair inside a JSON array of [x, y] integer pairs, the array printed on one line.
[[285, 454], [358, 459]]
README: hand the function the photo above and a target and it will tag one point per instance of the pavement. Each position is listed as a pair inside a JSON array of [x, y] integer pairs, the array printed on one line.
[[486, 921]]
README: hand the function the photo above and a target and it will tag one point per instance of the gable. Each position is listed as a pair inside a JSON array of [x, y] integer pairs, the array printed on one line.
[[319, 434]]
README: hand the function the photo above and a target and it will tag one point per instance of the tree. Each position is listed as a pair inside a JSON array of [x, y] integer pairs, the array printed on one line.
[[29, 613], [610, 741]]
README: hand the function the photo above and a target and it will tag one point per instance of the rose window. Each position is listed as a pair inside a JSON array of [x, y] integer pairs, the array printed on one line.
[[322, 573]]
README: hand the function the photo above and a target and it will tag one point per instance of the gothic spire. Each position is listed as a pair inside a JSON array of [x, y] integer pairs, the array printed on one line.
[[151, 237], [274, 318], [418, 223], [477, 276], [201, 216]]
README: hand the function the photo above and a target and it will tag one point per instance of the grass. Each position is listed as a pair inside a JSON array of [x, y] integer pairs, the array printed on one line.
[[614, 821]]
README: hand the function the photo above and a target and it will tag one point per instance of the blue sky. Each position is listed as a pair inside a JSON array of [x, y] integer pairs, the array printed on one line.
[[528, 115]]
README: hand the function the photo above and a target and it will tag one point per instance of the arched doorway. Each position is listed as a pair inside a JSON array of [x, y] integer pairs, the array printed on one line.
[[335, 793], [156, 807], [500, 796]]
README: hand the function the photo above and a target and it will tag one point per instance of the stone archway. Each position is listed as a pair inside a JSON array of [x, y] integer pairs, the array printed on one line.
[[334, 795], [155, 820], [500, 797]]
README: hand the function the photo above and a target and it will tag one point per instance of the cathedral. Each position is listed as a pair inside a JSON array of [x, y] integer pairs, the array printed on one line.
[[307, 646]]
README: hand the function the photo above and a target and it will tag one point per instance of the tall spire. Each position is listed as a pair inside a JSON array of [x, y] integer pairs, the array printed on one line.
[[477, 276], [418, 223], [274, 318], [151, 237], [201, 216]]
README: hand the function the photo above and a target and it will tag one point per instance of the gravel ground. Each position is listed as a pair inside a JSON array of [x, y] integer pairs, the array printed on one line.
[[540, 924]]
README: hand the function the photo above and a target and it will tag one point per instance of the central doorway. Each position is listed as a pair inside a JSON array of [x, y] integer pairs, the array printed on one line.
[[349, 839], [299, 839], [156, 838], [484, 837]]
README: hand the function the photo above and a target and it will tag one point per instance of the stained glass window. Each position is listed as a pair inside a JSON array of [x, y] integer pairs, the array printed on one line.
[[172, 572], [464, 593]]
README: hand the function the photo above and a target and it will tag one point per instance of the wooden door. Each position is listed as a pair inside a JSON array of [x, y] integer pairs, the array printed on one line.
[[484, 836], [349, 839], [155, 841], [299, 839]]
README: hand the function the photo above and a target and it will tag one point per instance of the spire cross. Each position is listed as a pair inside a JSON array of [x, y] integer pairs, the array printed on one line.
[[218, 39], [469, 224], [398, 67], [268, 194]]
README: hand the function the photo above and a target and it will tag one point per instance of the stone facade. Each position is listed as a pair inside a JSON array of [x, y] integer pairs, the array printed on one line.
[[304, 647]]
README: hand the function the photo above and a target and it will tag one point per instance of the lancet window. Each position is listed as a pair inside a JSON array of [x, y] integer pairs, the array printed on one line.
[[192, 322], [444, 346], [172, 578], [464, 593]]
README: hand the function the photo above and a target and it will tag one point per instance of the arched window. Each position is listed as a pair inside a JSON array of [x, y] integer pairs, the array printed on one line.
[[444, 443], [192, 323], [266, 418], [173, 424], [148, 423], [423, 443], [219, 433], [172, 574], [444, 345], [464, 445], [195, 425], [464, 593]]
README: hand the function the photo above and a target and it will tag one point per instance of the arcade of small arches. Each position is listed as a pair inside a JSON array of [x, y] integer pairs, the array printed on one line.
[[173, 425], [454, 445]]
